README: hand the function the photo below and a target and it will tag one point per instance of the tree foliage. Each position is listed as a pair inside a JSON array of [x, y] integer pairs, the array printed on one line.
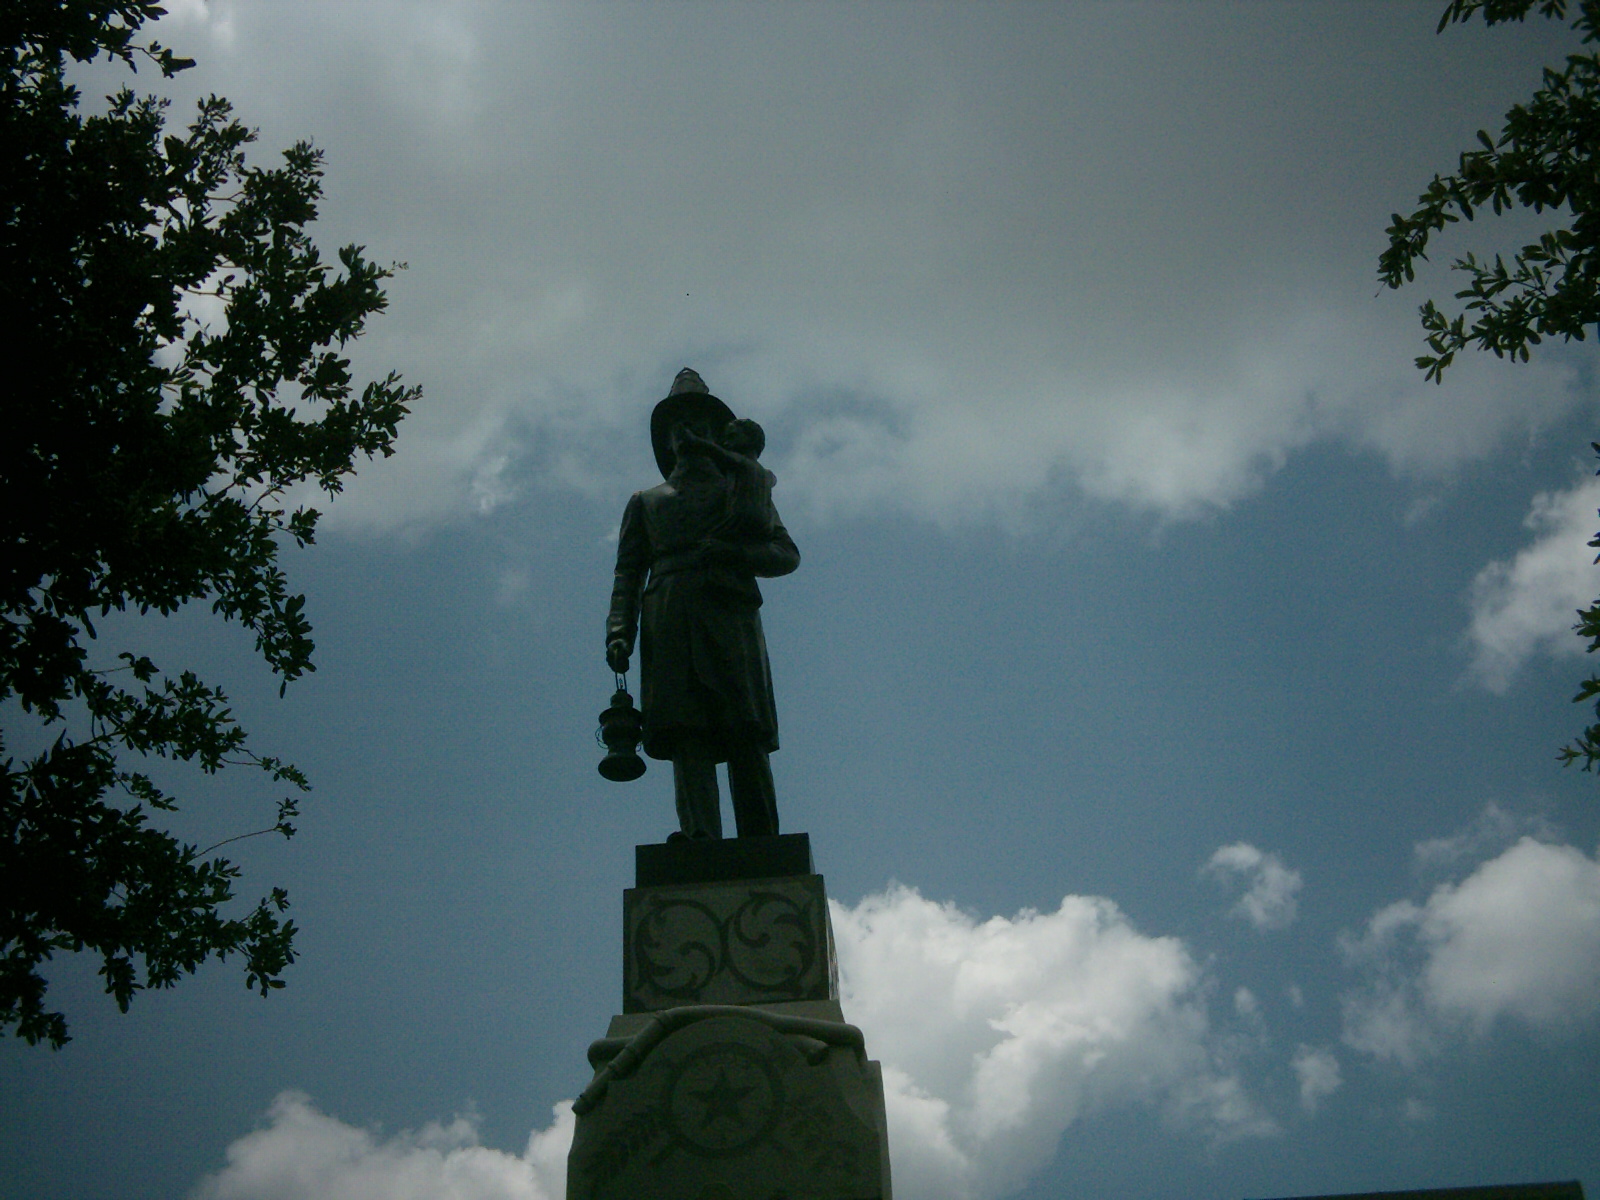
[[1544, 159], [146, 464]]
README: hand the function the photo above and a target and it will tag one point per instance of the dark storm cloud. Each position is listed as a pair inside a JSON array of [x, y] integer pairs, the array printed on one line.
[[1128, 246]]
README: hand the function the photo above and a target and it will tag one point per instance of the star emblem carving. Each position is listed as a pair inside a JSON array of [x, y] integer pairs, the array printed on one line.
[[721, 1099]]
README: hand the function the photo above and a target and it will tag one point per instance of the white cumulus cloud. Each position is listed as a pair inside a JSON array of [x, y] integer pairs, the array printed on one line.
[[1318, 1073], [1528, 605], [997, 1035], [1269, 900], [1518, 939], [305, 1154]]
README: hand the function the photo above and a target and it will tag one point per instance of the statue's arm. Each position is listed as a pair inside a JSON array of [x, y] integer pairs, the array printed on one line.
[[714, 450], [775, 556], [633, 565]]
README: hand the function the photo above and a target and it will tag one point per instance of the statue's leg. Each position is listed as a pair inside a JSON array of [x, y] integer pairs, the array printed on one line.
[[694, 783], [755, 801]]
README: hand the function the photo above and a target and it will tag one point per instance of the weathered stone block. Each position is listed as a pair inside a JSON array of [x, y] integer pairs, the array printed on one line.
[[753, 941], [712, 1103]]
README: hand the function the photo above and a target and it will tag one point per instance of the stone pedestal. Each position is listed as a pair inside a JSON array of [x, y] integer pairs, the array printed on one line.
[[730, 1073]]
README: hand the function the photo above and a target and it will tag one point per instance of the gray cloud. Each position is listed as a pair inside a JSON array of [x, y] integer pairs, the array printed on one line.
[[1127, 248]]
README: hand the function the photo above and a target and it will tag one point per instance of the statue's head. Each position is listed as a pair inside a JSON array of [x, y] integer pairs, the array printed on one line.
[[743, 436], [689, 404]]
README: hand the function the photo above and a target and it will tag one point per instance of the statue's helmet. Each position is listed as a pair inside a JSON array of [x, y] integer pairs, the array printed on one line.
[[689, 400]]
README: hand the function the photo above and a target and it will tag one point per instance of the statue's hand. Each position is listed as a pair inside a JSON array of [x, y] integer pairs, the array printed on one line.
[[689, 437], [617, 655]]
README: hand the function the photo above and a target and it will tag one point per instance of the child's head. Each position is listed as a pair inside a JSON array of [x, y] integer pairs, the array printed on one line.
[[744, 436]]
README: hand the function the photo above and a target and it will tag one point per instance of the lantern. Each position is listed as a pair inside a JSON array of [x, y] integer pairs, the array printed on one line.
[[621, 729]]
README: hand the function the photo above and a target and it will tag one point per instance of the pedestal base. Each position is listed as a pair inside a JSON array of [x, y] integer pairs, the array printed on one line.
[[731, 1073], [722, 1102]]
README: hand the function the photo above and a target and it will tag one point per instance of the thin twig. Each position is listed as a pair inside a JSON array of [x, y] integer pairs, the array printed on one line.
[[238, 837]]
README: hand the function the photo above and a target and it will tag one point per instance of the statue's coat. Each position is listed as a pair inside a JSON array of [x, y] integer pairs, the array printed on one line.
[[702, 655]]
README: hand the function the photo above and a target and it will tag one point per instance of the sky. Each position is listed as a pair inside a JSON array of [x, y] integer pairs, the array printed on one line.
[[1172, 681]]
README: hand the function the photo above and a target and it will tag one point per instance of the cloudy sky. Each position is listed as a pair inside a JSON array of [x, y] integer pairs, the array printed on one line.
[[1170, 688]]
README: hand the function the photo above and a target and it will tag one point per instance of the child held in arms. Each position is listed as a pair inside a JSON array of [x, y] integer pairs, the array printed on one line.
[[750, 514]]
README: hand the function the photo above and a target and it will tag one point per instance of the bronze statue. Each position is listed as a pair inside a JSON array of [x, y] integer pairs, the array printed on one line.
[[688, 556]]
